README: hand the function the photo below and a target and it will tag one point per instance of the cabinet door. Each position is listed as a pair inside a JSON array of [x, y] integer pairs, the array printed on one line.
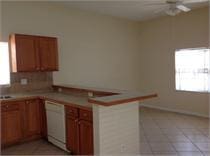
[[85, 137], [24, 56], [32, 118], [11, 123], [48, 51], [72, 137], [43, 119]]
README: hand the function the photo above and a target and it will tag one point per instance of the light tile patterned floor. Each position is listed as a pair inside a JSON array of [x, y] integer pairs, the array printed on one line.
[[39, 147], [161, 133], [167, 133]]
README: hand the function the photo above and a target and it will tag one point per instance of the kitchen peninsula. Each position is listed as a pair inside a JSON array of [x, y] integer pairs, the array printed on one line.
[[97, 121]]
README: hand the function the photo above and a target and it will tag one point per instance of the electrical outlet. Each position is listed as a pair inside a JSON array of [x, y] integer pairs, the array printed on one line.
[[59, 89], [122, 148], [90, 94], [23, 81]]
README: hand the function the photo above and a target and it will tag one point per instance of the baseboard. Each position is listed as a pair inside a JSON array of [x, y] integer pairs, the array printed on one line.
[[174, 110]]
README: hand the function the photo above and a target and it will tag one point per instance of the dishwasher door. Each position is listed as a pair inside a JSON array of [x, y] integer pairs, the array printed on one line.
[[56, 128]]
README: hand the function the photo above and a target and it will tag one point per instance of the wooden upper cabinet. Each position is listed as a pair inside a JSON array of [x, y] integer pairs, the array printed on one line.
[[23, 53], [48, 51], [33, 53]]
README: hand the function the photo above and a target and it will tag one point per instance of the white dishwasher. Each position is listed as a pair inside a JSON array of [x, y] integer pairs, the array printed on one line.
[[56, 129]]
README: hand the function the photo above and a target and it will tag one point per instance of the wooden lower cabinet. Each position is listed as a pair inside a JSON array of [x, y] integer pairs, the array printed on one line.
[[79, 131], [32, 118], [72, 134], [85, 137], [20, 121], [43, 119], [11, 123], [25, 120]]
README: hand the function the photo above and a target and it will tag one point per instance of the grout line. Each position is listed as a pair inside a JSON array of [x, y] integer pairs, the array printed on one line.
[[36, 148], [180, 129], [146, 137], [162, 134]]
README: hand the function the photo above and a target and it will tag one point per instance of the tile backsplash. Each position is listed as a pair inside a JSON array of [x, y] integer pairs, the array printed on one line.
[[35, 81]]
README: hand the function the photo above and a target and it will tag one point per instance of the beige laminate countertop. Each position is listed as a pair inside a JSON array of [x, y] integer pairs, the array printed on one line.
[[118, 96], [62, 98], [114, 97]]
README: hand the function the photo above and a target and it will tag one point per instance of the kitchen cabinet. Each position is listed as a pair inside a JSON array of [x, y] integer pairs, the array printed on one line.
[[72, 134], [86, 137], [32, 118], [43, 119], [33, 53], [11, 122], [79, 131], [20, 121], [23, 53], [48, 54]]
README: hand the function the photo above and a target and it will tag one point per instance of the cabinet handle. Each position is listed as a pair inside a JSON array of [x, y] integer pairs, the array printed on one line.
[[85, 114], [7, 106], [76, 120]]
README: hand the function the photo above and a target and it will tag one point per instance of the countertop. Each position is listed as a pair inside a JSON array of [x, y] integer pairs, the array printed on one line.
[[61, 98], [118, 97], [115, 97]]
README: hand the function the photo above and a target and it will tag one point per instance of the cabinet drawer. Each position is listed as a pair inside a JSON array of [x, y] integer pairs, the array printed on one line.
[[85, 115], [71, 111], [9, 107]]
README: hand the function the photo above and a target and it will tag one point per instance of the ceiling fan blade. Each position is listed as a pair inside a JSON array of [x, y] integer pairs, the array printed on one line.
[[194, 1], [183, 8]]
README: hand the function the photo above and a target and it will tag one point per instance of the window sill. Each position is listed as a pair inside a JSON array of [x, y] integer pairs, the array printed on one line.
[[196, 92], [5, 86]]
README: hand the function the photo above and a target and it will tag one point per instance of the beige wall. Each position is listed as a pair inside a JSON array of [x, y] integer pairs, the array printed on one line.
[[95, 50], [159, 39], [104, 51]]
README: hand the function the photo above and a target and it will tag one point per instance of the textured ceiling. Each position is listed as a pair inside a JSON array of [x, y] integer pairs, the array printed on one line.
[[130, 9]]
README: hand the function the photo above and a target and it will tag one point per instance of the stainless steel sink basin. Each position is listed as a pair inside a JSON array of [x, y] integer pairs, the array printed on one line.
[[5, 97]]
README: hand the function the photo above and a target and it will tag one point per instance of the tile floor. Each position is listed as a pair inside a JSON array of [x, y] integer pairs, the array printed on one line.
[[161, 133], [39, 147], [167, 133]]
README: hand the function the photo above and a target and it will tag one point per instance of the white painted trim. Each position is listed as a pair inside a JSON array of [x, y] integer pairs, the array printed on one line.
[[174, 110]]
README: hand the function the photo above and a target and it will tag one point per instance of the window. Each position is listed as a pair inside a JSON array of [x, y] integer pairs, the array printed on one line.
[[193, 69], [4, 64]]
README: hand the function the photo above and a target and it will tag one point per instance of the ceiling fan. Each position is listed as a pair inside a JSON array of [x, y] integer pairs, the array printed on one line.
[[174, 7]]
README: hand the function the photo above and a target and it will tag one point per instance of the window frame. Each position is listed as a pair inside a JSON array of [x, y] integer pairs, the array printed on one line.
[[175, 82]]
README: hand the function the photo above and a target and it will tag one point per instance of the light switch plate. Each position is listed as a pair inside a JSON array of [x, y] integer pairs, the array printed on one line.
[[23, 81]]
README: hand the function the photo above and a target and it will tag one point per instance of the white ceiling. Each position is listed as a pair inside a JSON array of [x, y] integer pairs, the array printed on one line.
[[130, 9]]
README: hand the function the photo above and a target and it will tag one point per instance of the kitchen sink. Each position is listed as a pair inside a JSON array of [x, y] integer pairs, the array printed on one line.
[[5, 97]]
